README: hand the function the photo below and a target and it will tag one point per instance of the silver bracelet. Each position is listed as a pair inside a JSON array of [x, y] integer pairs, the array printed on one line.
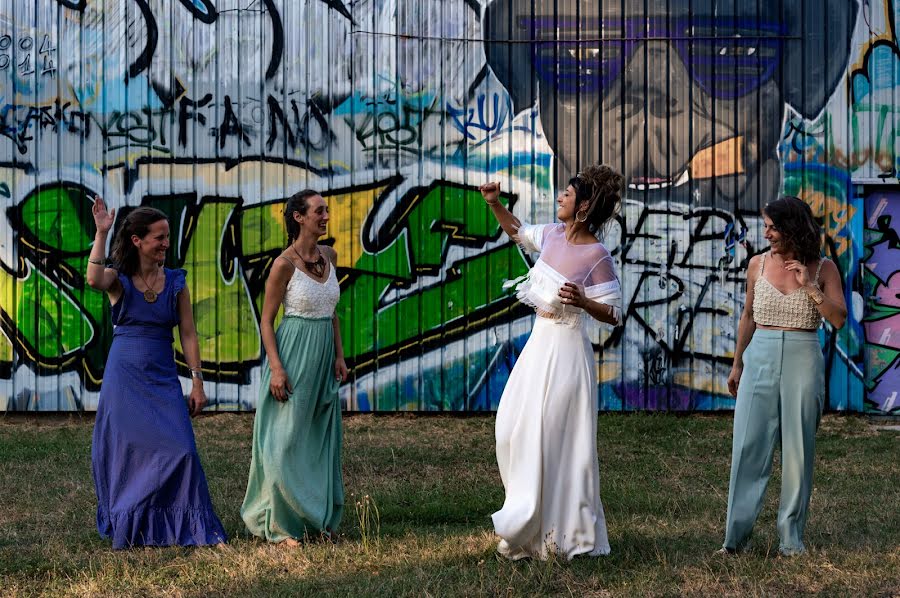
[[99, 262]]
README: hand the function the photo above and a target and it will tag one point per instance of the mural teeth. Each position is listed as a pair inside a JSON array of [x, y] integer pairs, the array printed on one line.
[[649, 186]]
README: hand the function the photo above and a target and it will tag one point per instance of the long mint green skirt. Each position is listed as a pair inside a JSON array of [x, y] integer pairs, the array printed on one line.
[[295, 487]]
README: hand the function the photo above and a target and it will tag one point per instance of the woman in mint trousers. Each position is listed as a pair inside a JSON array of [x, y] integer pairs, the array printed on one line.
[[778, 376]]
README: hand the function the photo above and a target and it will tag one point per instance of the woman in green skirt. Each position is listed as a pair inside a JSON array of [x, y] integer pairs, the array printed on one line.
[[295, 488]]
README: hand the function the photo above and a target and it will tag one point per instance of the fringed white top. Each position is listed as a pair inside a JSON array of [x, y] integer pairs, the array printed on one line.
[[590, 266]]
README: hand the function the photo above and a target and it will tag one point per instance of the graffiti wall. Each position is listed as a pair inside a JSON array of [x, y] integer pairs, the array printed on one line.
[[216, 111], [882, 314]]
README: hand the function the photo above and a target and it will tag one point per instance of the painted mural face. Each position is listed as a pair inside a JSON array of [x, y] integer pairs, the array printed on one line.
[[688, 96]]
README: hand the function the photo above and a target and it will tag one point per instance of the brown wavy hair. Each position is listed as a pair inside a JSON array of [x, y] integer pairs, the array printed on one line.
[[601, 187], [794, 220]]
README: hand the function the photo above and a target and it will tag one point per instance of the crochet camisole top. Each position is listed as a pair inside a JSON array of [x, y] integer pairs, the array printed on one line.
[[771, 307]]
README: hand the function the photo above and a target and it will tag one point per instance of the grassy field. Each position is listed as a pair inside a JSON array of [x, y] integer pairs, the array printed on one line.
[[435, 484]]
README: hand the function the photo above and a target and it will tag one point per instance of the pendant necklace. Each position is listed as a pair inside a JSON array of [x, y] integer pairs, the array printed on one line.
[[317, 267], [149, 295]]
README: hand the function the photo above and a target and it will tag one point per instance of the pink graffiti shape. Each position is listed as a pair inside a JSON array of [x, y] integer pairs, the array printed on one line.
[[888, 294], [884, 261]]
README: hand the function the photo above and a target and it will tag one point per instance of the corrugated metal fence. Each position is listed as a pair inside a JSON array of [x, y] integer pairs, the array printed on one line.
[[216, 111]]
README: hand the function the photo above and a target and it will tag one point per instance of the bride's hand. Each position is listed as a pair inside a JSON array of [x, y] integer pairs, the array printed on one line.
[[490, 192], [572, 294]]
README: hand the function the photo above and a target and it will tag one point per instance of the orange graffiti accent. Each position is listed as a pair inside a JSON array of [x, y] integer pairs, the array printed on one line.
[[835, 214], [721, 159]]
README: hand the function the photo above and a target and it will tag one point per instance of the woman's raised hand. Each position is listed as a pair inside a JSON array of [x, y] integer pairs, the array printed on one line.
[[103, 219]]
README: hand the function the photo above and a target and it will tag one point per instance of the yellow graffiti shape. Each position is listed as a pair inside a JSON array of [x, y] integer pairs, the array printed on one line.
[[348, 212], [7, 284], [721, 159], [50, 325], [836, 215], [223, 309]]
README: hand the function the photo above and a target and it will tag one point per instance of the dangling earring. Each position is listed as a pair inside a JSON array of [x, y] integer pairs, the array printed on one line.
[[579, 217]]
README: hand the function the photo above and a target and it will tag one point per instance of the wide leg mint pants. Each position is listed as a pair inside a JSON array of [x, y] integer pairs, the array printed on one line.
[[780, 399]]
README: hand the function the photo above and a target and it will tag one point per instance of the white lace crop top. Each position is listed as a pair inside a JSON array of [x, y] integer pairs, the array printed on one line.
[[560, 261], [309, 298]]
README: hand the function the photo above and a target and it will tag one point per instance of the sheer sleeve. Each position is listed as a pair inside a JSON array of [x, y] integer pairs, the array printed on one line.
[[530, 237], [602, 285], [603, 271]]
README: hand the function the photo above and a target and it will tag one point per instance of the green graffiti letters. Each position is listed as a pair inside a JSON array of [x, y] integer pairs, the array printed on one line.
[[416, 273]]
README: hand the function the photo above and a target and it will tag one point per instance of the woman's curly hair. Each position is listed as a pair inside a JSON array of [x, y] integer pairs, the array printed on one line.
[[793, 219], [601, 187]]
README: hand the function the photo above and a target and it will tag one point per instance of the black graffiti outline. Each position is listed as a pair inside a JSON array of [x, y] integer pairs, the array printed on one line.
[[209, 17], [313, 113], [256, 267], [144, 59], [338, 5], [49, 262], [498, 312], [52, 115], [277, 38], [78, 5], [396, 221], [231, 125], [698, 219]]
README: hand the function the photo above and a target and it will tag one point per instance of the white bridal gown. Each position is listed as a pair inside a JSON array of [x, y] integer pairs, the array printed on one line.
[[546, 427]]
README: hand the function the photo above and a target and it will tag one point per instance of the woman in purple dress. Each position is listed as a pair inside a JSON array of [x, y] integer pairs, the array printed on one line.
[[151, 490]]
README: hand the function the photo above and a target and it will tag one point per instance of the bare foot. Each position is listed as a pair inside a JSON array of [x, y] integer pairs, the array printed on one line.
[[290, 543]]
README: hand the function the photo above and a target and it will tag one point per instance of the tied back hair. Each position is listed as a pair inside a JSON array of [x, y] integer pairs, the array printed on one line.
[[794, 220], [298, 202], [124, 254], [601, 187]]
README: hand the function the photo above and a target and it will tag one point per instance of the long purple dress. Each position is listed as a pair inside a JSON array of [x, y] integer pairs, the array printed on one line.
[[151, 490]]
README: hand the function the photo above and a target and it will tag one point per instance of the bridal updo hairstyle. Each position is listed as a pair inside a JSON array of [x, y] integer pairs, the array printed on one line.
[[601, 187]]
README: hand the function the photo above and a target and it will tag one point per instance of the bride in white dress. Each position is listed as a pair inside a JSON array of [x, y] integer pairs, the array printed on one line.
[[546, 428]]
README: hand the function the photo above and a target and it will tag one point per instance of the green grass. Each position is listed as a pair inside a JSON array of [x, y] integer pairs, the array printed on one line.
[[434, 480]]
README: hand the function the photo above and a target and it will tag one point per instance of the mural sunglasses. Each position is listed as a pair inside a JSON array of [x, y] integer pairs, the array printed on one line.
[[726, 57]]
